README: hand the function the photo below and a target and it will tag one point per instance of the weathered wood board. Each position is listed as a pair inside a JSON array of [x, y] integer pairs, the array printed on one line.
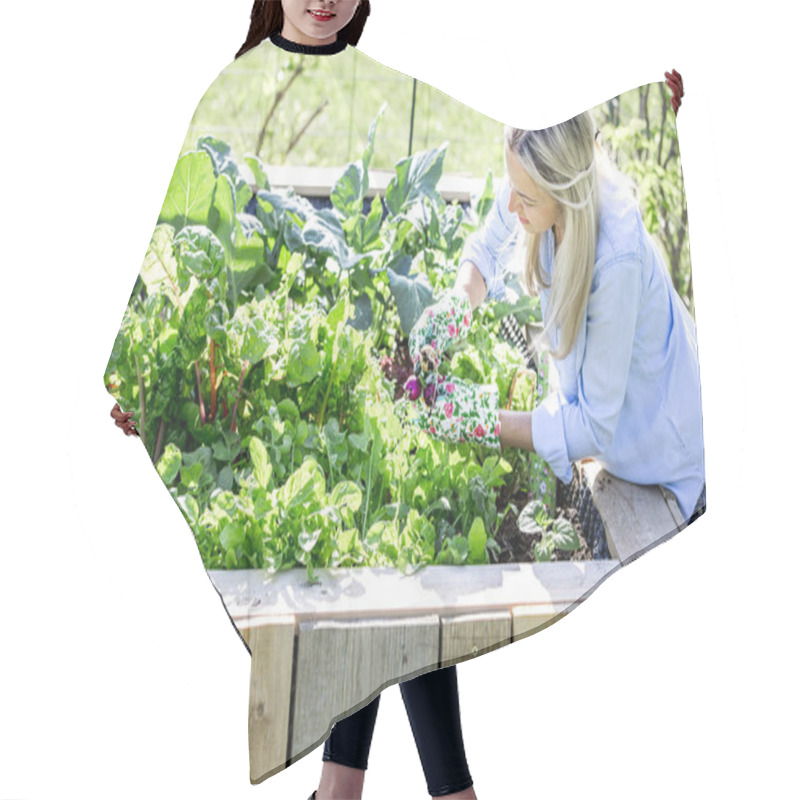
[[636, 518], [323, 650]]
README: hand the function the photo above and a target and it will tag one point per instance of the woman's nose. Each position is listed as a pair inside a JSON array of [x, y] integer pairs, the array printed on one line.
[[513, 202]]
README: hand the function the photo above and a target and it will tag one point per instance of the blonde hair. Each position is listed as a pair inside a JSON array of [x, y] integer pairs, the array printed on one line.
[[567, 163]]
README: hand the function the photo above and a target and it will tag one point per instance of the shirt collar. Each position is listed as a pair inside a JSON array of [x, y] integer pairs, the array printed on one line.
[[308, 49]]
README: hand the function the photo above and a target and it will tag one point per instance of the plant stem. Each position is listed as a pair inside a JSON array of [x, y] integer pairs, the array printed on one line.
[[213, 414], [305, 127], [324, 408], [141, 400], [200, 394], [238, 396], [159, 441], [275, 103], [369, 492]]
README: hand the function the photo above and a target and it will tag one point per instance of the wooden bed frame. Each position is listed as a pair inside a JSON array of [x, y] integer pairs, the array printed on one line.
[[339, 639]]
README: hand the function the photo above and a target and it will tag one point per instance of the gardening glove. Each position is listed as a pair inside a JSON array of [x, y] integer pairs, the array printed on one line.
[[456, 411], [440, 326]]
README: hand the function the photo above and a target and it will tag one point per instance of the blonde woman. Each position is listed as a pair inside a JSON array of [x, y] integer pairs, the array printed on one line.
[[622, 340]]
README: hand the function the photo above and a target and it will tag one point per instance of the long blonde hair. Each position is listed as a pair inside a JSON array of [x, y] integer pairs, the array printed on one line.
[[567, 163]]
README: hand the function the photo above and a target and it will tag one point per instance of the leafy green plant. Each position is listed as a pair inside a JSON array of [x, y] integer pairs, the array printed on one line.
[[252, 345], [555, 534]]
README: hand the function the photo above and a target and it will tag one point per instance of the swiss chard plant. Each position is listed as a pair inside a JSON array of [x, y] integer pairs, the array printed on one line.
[[251, 350]]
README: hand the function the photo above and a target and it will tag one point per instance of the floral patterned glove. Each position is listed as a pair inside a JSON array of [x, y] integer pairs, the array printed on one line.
[[440, 326], [454, 410]]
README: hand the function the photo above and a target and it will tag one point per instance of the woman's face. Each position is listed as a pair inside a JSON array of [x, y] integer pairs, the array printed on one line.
[[316, 22], [536, 210]]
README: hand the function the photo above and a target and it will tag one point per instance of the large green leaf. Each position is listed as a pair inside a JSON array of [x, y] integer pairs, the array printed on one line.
[[259, 173], [323, 233], [347, 494], [232, 536], [477, 542], [304, 363], [412, 295], [169, 464], [484, 203], [200, 252], [246, 266], [304, 485], [190, 191], [262, 468], [528, 521], [369, 151], [252, 334], [225, 164], [160, 269], [222, 218], [348, 193], [364, 315], [414, 177], [564, 536], [276, 210]]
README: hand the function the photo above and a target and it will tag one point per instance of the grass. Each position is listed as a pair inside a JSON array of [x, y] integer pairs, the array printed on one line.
[[239, 101]]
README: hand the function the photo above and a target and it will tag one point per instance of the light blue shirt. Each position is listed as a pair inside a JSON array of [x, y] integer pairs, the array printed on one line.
[[629, 391]]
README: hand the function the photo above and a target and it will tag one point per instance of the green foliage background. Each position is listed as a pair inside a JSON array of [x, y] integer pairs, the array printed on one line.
[[249, 348], [310, 111]]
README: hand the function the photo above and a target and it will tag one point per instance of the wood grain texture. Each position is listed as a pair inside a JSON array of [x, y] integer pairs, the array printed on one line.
[[636, 518], [674, 508], [318, 181], [526, 620], [465, 636], [272, 651], [341, 665], [253, 597]]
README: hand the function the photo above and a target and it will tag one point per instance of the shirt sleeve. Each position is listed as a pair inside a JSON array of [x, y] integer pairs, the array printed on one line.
[[567, 430], [485, 248]]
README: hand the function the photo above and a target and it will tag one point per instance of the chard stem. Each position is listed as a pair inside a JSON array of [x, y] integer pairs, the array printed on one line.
[[213, 414], [159, 441], [200, 394], [141, 400]]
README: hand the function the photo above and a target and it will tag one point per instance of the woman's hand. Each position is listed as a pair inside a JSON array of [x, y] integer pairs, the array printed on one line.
[[124, 420], [453, 410], [440, 326]]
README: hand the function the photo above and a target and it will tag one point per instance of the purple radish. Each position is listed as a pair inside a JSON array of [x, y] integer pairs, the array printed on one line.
[[413, 388]]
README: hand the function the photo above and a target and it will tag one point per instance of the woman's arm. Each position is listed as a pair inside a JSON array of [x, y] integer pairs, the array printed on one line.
[[484, 249], [471, 281], [515, 430]]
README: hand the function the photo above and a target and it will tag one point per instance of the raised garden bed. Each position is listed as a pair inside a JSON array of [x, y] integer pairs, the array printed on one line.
[[372, 627], [253, 347]]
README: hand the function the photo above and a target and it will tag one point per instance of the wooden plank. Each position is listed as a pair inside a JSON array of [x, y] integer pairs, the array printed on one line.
[[674, 508], [342, 665], [527, 620], [253, 597], [466, 636], [636, 518], [272, 650], [318, 181]]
